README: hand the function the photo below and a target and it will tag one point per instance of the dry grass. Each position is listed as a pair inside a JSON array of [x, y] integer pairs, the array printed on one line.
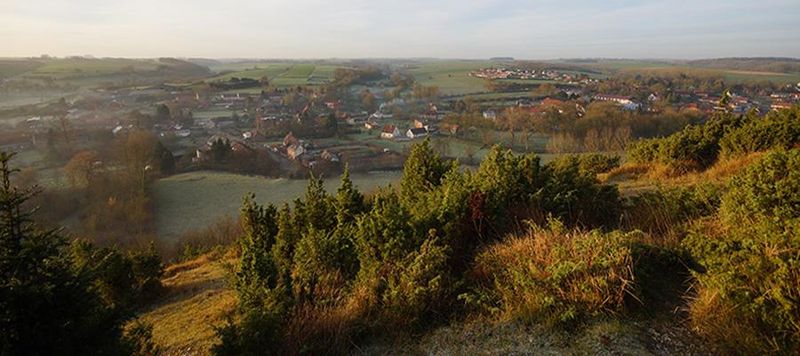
[[639, 175], [557, 275], [722, 324], [197, 299]]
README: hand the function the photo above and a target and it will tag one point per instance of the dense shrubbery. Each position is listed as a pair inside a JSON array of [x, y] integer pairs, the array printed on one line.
[[779, 129], [699, 146], [748, 297], [309, 275]]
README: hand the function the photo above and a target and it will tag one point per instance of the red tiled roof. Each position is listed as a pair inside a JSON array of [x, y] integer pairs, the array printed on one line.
[[388, 128]]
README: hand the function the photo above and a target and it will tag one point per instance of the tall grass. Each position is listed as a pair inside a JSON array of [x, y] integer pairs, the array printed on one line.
[[556, 275]]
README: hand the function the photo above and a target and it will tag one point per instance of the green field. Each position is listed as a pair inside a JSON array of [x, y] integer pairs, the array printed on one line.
[[737, 76], [279, 74], [11, 67], [210, 114], [190, 201], [452, 76], [271, 70]]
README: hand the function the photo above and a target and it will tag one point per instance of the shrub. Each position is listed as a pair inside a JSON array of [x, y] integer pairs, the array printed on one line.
[[556, 275], [778, 130], [577, 198], [644, 150], [696, 147], [591, 163], [748, 299], [323, 265], [422, 286]]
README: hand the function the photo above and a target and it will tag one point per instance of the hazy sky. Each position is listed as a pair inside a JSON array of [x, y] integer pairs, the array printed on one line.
[[535, 29]]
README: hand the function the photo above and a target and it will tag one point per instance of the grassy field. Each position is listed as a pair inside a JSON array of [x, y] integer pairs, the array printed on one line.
[[271, 70], [10, 67], [738, 76], [190, 201], [498, 96], [279, 74], [452, 77], [210, 114]]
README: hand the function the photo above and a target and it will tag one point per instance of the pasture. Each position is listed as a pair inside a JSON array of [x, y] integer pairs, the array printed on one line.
[[85, 67], [192, 201], [279, 74], [451, 76]]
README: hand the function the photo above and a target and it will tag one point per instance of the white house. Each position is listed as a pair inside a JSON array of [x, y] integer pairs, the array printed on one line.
[[416, 132]]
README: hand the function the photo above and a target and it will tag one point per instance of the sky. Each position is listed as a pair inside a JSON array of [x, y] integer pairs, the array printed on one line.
[[533, 29]]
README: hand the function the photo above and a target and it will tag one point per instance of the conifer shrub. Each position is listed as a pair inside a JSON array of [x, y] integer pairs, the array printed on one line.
[[747, 294], [694, 148], [778, 130], [593, 163]]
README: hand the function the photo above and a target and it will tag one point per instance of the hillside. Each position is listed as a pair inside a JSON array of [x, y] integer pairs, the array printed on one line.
[[196, 300]]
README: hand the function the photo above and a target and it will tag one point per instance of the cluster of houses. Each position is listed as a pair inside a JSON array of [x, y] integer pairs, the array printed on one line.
[[302, 151], [531, 74], [418, 129]]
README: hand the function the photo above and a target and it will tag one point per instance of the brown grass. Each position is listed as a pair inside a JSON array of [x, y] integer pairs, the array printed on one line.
[[197, 299], [557, 275], [652, 174]]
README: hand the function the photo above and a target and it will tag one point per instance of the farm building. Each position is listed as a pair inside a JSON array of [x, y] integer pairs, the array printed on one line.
[[295, 151], [290, 140], [619, 99], [390, 132]]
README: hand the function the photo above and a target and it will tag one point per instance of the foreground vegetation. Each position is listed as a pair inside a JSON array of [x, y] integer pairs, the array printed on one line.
[[517, 240]]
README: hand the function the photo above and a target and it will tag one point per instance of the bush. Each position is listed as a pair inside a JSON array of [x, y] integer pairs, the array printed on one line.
[[748, 300], [577, 198], [696, 147], [556, 275], [422, 287], [592, 163], [778, 130], [645, 150]]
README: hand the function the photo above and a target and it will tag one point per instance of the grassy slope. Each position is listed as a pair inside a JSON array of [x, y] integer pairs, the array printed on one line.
[[632, 178], [197, 299]]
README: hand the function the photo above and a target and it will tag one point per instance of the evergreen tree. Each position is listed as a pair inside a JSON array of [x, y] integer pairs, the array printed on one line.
[[220, 149], [283, 249], [47, 306], [349, 201], [332, 124], [319, 209], [257, 271], [422, 171]]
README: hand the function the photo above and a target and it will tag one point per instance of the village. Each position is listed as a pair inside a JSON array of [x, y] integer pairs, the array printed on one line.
[[291, 130]]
